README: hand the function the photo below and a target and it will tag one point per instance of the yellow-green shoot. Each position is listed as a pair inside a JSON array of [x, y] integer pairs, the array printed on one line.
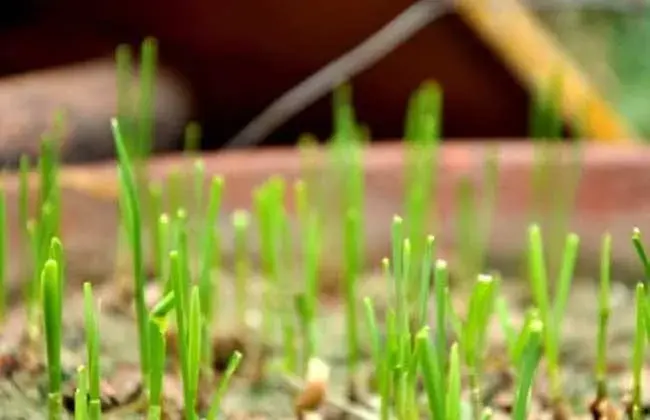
[[156, 244], [422, 135], [210, 247], [132, 216], [551, 313], [604, 309], [473, 333], [146, 100], [264, 209], [640, 338], [3, 253], [232, 366], [241, 223], [545, 114], [81, 395], [192, 138], [307, 301], [92, 346], [189, 330], [530, 357], [157, 324], [353, 260], [52, 318], [637, 241]]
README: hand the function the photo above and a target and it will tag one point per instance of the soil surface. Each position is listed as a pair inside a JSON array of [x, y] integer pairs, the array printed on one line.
[[23, 382]]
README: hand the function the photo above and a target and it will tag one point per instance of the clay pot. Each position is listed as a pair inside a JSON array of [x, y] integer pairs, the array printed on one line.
[[610, 197]]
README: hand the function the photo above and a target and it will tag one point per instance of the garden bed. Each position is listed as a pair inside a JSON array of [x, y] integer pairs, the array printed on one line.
[[89, 194]]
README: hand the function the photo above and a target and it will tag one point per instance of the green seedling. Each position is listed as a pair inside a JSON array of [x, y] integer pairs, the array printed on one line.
[[425, 282], [400, 285], [23, 193], [182, 246], [353, 269], [441, 289], [52, 317], [432, 376], [604, 310], [92, 344], [475, 213], [375, 335], [545, 113], [637, 241], [157, 346], [3, 253], [131, 206], [210, 247], [640, 339], [263, 203], [232, 366], [527, 368], [422, 135], [189, 328], [241, 223], [198, 169], [81, 395], [192, 138], [194, 333], [453, 401], [308, 300], [163, 246], [155, 210], [551, 314], [474, 330], [146, 99], [49, 187], [175, 192], [467, 229]]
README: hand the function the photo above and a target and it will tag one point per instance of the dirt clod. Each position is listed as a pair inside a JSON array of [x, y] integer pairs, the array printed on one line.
[[9, 364], [223, 348], [603, 409]]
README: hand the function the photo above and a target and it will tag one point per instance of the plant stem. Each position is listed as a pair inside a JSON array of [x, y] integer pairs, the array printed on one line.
[[92, 345], [241, 222], [604, 310], [233, 364], [128, 184], [353, 267], [52, 303]]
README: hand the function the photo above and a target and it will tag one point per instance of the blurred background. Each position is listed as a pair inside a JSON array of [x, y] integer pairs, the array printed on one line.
[[226, 61]]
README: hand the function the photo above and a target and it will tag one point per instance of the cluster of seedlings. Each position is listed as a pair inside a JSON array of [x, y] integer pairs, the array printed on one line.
[[427, 359]]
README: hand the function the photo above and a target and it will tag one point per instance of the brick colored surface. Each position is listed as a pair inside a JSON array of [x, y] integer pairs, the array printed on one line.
[[612, 195]]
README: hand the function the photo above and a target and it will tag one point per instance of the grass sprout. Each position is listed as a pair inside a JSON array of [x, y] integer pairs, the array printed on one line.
[[604, 310], [527, 367], [92, 344], [3, 253], [640, 338], [132, 207], [81, 395], [472, 340], [233, 364], [210, 247], [551, 314], [241, 222], [52, 316]]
